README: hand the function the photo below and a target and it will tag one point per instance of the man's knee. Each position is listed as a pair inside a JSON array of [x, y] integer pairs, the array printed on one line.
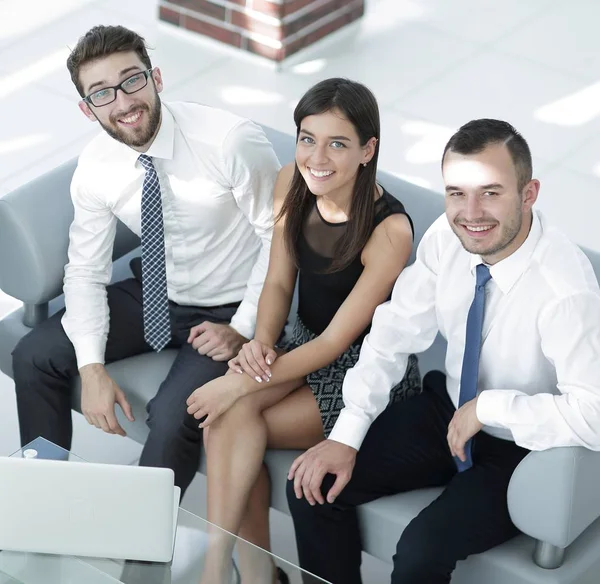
[[30, 354], [293, 503], [23, 354], [171, 424], [45, 349], [300, 507]]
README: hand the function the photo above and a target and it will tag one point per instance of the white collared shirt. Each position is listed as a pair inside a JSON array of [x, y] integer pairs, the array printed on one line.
[[539, 371], [217, 172]]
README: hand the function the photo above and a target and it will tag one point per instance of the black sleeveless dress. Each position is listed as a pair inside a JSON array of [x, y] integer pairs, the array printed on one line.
[[320, 295]]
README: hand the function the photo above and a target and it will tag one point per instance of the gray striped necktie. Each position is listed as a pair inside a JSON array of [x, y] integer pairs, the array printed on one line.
[[157, 326]]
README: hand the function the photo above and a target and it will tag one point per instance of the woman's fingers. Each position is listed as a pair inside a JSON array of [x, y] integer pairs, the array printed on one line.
[[249, 365], [258, 350]]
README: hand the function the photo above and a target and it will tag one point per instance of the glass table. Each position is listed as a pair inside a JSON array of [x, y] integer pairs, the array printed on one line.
[[193, 536]]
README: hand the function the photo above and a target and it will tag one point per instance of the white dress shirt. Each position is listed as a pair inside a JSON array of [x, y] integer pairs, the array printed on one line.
[[216, 173], [539, 371]]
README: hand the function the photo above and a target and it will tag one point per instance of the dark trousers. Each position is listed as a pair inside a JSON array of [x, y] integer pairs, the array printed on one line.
[[44, 366], [406, 449]]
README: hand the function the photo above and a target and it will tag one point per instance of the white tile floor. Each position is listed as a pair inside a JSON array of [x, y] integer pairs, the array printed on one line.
[[433, 64]]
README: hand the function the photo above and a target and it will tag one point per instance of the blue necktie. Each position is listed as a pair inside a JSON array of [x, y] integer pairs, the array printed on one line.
[[469, 378], [157, 326]]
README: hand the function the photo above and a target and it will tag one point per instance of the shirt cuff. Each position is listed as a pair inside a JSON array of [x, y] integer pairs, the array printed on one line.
[[350, 429], [89, 350], [492, 407], [242, 324]]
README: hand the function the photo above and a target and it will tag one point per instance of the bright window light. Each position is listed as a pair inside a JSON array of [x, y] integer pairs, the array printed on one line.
[[415, 180], [309, 67], [431, 139], [19, 19], [34, 72], [240, 95], [389, 15], [574, 110]]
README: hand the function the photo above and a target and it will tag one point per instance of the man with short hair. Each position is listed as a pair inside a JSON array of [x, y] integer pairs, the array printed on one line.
[[196, 184], [522, 374]]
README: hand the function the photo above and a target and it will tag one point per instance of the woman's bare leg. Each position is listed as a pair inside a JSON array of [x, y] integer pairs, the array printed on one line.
[[287, 428], [255, 523], [238, 486]]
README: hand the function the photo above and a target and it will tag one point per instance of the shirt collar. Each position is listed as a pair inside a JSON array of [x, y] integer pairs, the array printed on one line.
[[507, 271], [163, 144]]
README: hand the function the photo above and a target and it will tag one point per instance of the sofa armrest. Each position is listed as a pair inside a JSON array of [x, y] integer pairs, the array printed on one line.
[[554, 494], [34, 236]]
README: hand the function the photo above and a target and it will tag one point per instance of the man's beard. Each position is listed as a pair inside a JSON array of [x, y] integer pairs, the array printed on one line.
[[138, 137], [510, 231]]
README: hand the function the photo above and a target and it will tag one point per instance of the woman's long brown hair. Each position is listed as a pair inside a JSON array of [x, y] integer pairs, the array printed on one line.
[[359, 106]]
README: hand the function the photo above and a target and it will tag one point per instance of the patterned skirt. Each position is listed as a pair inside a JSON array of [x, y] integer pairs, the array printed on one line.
[[326, 383]]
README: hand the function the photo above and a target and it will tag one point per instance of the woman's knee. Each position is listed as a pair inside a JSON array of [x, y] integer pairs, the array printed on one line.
[[246, 412], [245, 408]]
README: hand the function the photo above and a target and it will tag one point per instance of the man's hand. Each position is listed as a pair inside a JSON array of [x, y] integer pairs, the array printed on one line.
[[463, 426], [99, 393], [309, 469], [214, 398], [220, 342]]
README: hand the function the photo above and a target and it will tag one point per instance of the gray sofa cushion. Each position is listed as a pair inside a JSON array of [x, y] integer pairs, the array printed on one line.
[[32, 258]]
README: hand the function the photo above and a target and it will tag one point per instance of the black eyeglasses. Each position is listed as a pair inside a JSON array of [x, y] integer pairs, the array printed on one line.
[[109, 94]]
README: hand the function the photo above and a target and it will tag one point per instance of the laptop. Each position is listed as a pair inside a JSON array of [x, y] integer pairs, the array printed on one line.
[[88, 509]]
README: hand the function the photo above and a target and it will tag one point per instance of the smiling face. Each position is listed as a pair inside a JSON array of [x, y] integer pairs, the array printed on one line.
[[484, 205], [329, 153], [133, 118]]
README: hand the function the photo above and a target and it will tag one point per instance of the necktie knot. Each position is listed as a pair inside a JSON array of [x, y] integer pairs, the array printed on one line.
[[483, 275], [146, 162]]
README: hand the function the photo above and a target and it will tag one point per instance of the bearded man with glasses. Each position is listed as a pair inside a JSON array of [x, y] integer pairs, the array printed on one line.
[[196, 184], [108, 95]]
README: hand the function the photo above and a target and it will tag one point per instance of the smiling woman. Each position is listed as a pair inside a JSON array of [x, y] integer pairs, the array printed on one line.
[[347, 239], [338, 135]]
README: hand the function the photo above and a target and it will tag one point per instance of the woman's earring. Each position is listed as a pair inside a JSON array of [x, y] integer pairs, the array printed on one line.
[[364, 164]]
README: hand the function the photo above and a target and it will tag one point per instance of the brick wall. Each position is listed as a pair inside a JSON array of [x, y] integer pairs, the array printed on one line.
[[272, 28]]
